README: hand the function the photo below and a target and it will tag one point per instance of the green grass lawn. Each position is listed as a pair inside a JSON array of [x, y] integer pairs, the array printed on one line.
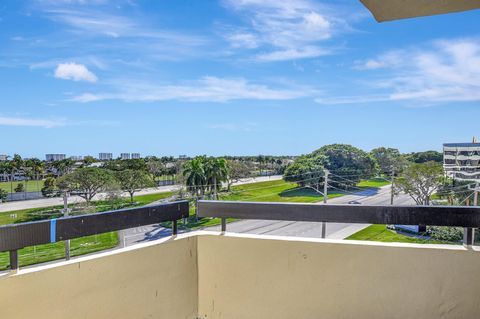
[[382, 234], [49, 252], [374, 182], [30, 186], [150, 198], [275, 191]]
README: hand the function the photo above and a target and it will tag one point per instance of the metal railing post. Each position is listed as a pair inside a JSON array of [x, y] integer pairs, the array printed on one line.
[[468, 236], [174, 228], [224, 225], [14, 260]]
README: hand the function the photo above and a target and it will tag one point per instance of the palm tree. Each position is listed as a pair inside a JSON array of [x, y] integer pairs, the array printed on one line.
[[33, 168], [14, 166], [194, 173], [216, 172], [195, 178], [63, 166], [38, 168], [4, 170]]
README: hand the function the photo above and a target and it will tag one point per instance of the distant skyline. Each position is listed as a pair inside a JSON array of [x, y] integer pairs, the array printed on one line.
[[231, 77]]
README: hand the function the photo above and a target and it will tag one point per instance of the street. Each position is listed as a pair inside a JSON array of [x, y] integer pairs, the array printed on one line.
[[373, 196], [380, 196]]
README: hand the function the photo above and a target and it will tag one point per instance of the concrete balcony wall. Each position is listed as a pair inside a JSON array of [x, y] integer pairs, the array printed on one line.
[[150, 281], [284, 278], [212, 276]]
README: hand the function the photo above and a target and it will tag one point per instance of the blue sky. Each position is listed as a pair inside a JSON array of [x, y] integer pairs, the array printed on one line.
[[231, 77]]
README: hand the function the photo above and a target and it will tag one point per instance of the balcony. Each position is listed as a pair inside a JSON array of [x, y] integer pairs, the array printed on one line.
[[225, 275]]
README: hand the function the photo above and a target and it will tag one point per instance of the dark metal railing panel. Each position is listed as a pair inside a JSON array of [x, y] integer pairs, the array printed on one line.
[[17, 236], [461, 216], [86, 225]]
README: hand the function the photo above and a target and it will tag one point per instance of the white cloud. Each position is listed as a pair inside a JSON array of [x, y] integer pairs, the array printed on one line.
[[445, 71], [206, 89], [292, 54], [286, 30], [75, 72], [243, 40], [18, 121]]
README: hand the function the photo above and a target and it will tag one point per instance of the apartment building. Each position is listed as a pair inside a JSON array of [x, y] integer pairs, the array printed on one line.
[[461, 161], [76, 158], [105, 156], [55, 157]]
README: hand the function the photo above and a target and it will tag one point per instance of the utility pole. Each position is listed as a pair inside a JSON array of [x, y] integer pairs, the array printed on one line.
[[325, 195], [475, 195], [469, 233], [325, 185], [65, 214], [392, 191]]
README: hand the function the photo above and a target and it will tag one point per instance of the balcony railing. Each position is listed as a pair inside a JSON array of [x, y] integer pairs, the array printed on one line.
[[16, 236], [467, 217], [221, 275]]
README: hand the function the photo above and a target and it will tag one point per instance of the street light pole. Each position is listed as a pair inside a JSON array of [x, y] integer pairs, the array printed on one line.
[[65, 213], [469, 233], [392, 191]]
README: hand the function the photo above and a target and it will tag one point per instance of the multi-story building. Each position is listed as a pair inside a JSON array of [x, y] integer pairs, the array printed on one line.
[[105, 156], [125, 156], [3, 157], [55, 157], [461, 161], [135, 155], [76, 158]]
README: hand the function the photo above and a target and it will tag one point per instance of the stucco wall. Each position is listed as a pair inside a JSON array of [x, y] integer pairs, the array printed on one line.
[[247, 277], [148, 281]]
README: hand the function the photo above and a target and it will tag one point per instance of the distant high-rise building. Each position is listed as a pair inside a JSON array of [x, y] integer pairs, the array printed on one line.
[[182, 156], [461, 161], [125, 156], [3, 157], [76, 158], [105, 156], [135, 155], [55, 157]]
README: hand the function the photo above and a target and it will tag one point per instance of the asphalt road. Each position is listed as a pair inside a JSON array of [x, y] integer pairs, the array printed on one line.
[[373, 196], [380, 196]]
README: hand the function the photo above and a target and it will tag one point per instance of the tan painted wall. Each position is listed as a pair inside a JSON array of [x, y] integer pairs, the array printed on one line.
[[242, 277], [245, 276], [156, 281]]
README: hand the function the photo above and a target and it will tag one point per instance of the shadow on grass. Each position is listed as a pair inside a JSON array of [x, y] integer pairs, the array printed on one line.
[[300, 192], [307, 192]]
